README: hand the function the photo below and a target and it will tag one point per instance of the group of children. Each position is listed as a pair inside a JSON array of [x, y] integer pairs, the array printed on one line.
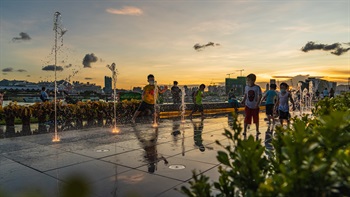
[[148, 99], [276, 103]]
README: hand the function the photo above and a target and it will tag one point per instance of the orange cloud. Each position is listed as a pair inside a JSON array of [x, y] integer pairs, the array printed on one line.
[[126, 10]]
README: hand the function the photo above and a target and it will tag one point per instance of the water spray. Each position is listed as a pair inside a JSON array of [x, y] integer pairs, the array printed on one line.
[[57, 15], [113, 68], [183, 105], [155, 124]]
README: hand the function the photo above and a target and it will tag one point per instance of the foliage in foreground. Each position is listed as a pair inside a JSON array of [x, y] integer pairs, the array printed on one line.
[[311, 158]]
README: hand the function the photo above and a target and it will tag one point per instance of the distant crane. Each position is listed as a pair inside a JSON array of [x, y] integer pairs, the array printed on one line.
[[229, 74], [240, 71]]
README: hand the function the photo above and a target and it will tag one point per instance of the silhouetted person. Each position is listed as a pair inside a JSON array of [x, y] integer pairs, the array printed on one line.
[[43, 95], [317, 94], [232, 100], [175, 91], [331, 93]]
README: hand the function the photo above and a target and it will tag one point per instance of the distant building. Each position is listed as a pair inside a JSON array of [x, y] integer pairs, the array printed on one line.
[[342, 88], [108, 85], [137, 89], [81, 87], [237, 85], [320, 84]]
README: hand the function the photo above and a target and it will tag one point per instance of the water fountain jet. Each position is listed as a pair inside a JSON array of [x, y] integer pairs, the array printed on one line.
[[183, 105], [57, 15], [300, 97], [113, 68], [155, 124]]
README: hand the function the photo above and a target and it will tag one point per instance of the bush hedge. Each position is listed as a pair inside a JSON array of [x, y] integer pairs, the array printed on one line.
[[311, 158]]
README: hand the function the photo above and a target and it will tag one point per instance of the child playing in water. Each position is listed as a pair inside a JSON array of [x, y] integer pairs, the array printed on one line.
[[270, 97], [282, 104], [251, 101], [198, 95], [148, 99]]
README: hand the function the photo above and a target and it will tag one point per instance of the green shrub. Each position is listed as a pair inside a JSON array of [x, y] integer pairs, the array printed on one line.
[[311, 158]]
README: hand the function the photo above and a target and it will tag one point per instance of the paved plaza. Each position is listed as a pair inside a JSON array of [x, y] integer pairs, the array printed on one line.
[[138, 161]]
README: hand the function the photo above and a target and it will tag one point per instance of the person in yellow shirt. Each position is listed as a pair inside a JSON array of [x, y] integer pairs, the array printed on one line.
[[148, 98]]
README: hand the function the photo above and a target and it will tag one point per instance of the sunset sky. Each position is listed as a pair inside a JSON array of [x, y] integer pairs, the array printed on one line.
[[158, 37]]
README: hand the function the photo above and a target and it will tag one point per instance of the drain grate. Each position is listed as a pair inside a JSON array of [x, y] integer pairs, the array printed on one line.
[[177, 167], [102, 150]]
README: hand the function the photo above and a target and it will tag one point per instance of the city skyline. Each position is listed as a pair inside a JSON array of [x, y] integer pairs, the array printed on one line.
[[192, 42]]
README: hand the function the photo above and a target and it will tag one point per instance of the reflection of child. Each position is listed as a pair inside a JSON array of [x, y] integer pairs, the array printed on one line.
[[148, 99], [270, 97], [150, 146], [251, 100], [282, 104], [197, 137]]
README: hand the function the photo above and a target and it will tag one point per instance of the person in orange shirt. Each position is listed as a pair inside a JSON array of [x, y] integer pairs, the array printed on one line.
[[148, 98]]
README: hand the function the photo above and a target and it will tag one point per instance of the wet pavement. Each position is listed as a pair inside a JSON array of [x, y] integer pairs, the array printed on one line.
[[138, 161]]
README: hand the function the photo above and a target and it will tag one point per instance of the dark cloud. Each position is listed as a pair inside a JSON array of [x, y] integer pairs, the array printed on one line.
[[88, 59], [336, 48], [7, 70], [340, 51], [68, 66], [23, 36], [52, 68], [21, 70], [199, 47], [88, 78]]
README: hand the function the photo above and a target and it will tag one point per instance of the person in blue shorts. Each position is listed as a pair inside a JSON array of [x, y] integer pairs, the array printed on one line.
[[271, 97]]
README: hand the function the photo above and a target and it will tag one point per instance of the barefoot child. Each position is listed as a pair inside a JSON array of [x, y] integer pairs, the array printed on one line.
[[251, 101], [148, 100], [282, 104]]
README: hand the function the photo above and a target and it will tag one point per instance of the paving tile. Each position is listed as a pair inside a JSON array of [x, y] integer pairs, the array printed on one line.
[[16, 180], [4, 160], [14, 144], [43, 161], [133, 183], [207, 156], [131, 159], [92, 150], [173, 168], [91, 171]]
